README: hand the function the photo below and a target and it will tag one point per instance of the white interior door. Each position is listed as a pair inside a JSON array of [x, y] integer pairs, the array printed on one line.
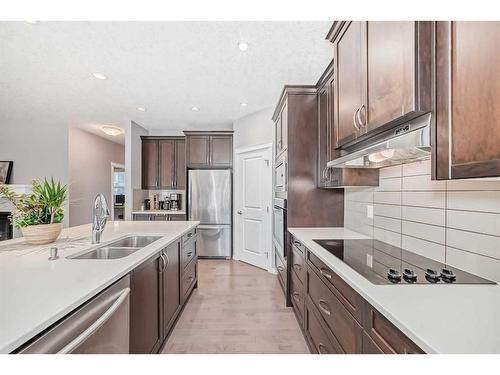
[[253, 196]]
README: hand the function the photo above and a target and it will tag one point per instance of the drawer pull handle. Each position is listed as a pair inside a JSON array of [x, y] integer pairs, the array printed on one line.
[[296, 295], [297, 266], [281, 269], [190, 253], [320, 347], [297, 243], [190, 235], [325, 273], [322, 302]]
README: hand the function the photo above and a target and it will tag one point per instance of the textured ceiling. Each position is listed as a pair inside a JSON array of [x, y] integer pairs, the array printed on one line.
[[167, 67]]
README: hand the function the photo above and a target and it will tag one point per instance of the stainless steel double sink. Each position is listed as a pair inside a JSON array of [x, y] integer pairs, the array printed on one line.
[[117, 249]]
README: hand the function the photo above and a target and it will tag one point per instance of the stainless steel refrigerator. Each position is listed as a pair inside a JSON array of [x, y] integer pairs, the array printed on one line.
[[209, 202]]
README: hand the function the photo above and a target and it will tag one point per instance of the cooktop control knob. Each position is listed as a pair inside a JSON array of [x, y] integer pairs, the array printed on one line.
[[409, 276], [394, 276], [432, 276], [447, 275]]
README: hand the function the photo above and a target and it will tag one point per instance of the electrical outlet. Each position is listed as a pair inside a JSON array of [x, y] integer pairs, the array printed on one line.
[[369, 211]]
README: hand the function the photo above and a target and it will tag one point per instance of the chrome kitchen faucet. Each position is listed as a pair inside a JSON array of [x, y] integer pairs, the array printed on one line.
[[100, 212]]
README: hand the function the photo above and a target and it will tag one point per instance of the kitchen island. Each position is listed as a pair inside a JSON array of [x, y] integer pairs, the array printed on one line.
[[36, 292]]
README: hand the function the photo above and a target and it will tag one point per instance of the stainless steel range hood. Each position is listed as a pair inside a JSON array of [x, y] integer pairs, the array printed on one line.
[[405, 143]]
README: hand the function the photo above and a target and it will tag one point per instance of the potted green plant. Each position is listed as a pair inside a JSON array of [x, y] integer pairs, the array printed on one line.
[[39, 214]]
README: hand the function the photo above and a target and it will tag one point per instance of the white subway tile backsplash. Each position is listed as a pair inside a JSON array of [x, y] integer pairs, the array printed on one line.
[[482, 244], [417, 168], [454, 220], [432, 199], [479, 265], [485, 201], [434, 216], [387, 197], [389, 172], [425, 231], [387, 223], [422, 183], [388, 210], [480, 222], [425, 248], [387, 236]]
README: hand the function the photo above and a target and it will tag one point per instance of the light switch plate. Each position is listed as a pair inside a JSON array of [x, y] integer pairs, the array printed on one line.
[[369, 211]]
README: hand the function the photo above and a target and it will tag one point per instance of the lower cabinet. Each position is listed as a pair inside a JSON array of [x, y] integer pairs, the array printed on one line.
[[159, 289], [335, 318]]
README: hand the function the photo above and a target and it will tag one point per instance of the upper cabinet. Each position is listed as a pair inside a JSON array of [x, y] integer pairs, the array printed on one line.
[[383, 76], [209, 150], [467, 96], [281, 131], [163, 163]]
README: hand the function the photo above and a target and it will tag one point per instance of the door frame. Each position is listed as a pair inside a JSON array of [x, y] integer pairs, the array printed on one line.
[[112, 203], [268, 147]]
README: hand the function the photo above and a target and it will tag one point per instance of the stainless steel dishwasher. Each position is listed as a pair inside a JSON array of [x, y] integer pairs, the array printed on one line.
[[99, 326]]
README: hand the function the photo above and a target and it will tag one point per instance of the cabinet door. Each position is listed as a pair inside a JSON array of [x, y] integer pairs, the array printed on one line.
[[167, 163], [177, 217], [198, 148], [323, 135], [284, 127], [150, 164], [350, 56], [145, 311], [278, 136], [221, 150], [468, 93], [180, 164], [391, 72], [171, 286]]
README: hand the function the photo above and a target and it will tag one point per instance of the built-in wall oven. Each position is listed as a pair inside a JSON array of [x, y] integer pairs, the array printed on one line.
[[280, 177], [279, 227]]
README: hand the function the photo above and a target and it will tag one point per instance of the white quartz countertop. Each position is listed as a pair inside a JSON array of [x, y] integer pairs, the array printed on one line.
[[159, 212], [36, 292], [438, 318]]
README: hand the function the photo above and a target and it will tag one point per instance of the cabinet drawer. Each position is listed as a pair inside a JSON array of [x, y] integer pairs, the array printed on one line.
[[386, 336], [342, 324], [299, 246], [320, 341], [297, 297], [189, 277], [281, 267], [188, 251], [349, 298], [369, 346], [298, 264], [188, 235]]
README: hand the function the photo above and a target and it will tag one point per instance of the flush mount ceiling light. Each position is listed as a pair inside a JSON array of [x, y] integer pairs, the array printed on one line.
[[195, 109], [112, 130], [243, 46], [99, 75], [243, 104], [141, 109], [33, 22]]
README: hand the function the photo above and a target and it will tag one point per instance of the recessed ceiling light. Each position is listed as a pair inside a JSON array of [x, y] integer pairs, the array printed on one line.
[[33, 22], [142, 109], [243, 46], [243, 104], [195, 109], [99, 75], [112, 130]]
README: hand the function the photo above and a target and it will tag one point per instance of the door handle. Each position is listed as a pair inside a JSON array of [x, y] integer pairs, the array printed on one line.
[[322, 346], [322, 302], [297, 266], [358, 116], [324, 273], [97, 324], [355, 117], [239, 212]]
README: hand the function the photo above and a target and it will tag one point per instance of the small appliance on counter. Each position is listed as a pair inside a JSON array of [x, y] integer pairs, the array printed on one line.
[[147, 204], [174, 202]]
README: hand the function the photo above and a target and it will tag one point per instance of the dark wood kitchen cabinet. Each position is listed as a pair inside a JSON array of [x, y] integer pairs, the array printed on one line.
[[163, 163], [467, 135], [281, 132], [145, 307], [170, 275], [209, 150], [383, 73]]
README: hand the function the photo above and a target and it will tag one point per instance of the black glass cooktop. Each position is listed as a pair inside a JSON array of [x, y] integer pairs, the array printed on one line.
[[382, 263]]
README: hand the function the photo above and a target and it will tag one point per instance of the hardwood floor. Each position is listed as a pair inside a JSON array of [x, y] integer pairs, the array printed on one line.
[[237, 308]]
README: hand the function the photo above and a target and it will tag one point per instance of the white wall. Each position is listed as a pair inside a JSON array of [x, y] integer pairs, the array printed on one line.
[[133, 159], [90, 159], [456, 222], [254, 129]]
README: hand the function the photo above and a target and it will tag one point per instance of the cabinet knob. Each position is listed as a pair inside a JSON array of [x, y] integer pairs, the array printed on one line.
[[239, 212]]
